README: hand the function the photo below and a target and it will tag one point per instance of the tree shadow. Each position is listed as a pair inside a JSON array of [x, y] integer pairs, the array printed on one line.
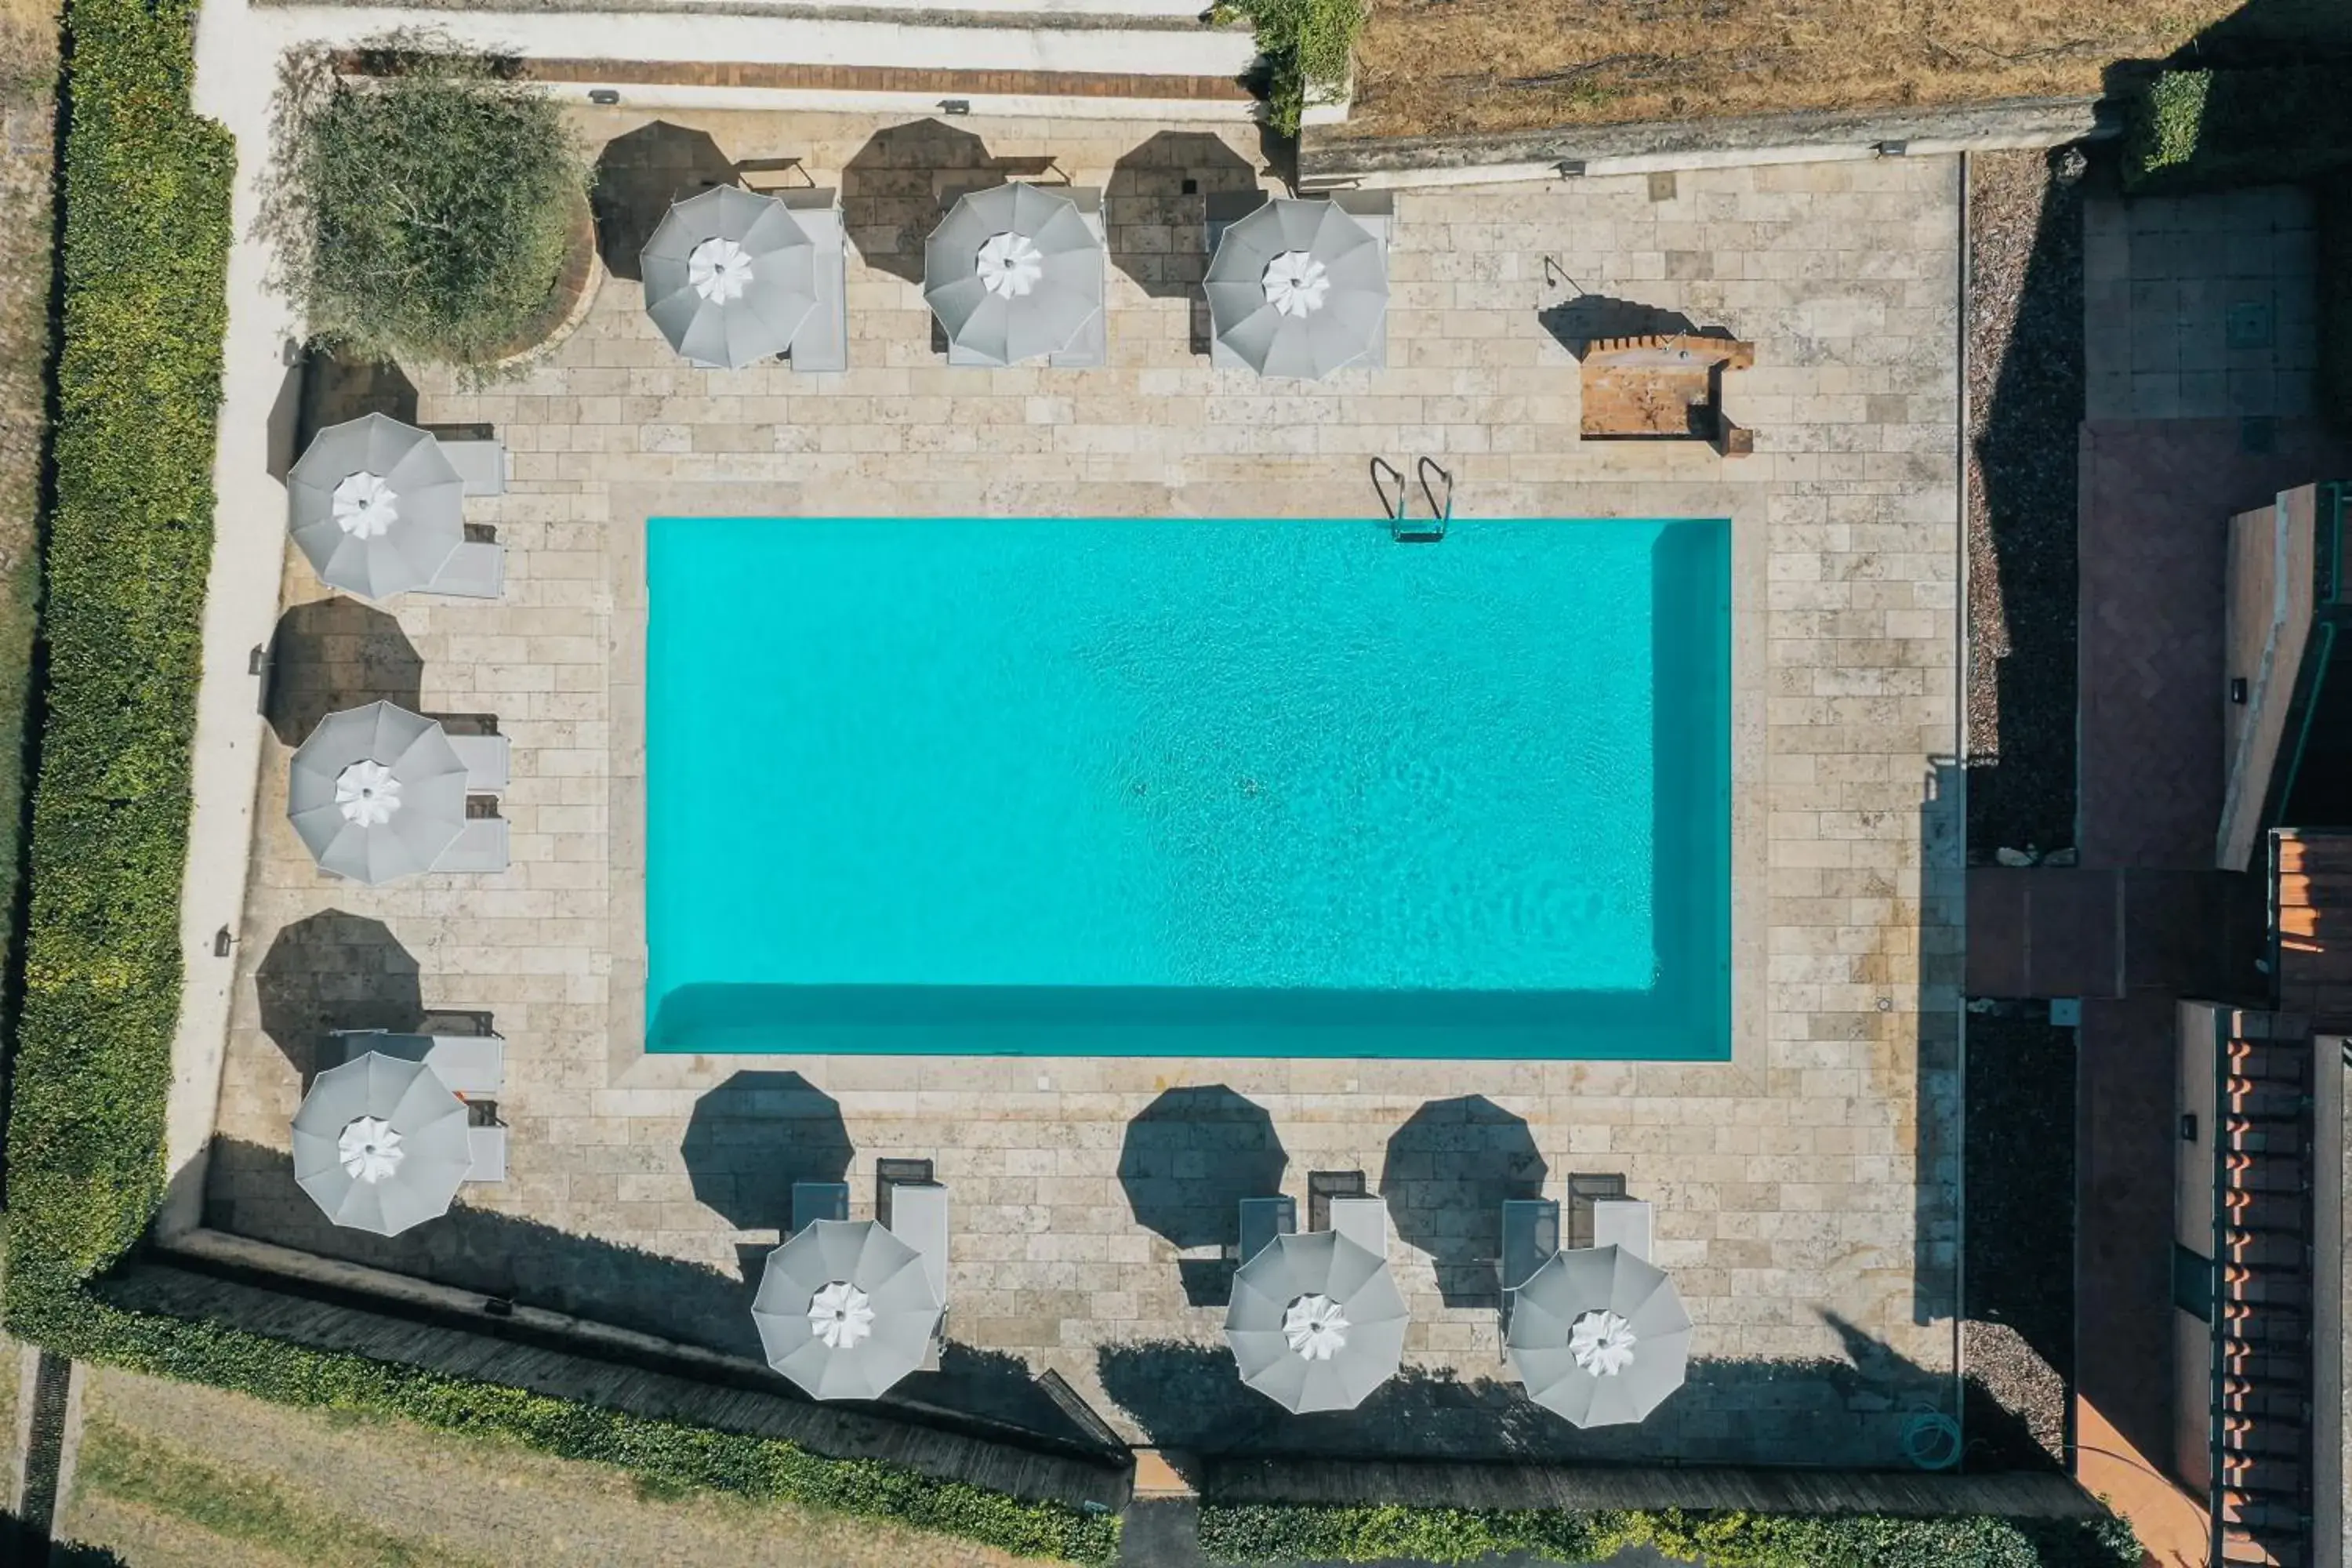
[[1448, 1171], [1188, 1159], [334, 971], [334, 654], [1155, 207], [1579, 323], [897, 188], [335, 389], [1826, 1412], [752, 1137], [638, 176]]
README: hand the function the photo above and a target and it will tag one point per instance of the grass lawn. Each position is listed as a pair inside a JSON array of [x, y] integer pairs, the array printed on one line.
[[1431, 67], [174, 1473]]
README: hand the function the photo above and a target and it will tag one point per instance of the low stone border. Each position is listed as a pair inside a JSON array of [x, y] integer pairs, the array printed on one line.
[[1328, 161]]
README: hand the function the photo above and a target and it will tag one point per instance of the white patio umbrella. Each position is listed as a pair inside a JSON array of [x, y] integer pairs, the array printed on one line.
[[1012, 273], [376, 506], [379, 1144], [1298, 287], [376, 792], [845, 1310], [1600, 1336], [1315, 1323], [730, 277]]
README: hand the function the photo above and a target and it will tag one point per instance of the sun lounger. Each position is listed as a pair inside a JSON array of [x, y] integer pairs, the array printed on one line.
[[813, 1201], [919, 1216], [488, 1147], [1364, 1220], [1263, 1219], [481, 848], [823, 340], [1624, 1223], [481, 464], [469, 1064], [478, 571], [1530, 1237], [486, 760]]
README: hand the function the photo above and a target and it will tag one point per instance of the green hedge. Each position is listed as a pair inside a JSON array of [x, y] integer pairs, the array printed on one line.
[[2192, 130], [671, 1456], [146, 190], [1306, 45], [1270, 1533]]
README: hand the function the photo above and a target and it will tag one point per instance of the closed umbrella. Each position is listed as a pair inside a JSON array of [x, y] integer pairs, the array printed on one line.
[[1317, 1322], [1012, 273], [730, 277], [1600, 1336], [845, 1310], [376, 506], [379, 1144], [377, 793], [1298, 288]]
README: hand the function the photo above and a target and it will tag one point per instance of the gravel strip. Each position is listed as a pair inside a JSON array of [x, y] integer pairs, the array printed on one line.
[[2025, 408]]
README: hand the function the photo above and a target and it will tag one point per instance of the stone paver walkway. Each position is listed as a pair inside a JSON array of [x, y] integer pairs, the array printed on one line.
[[1804, 1189]]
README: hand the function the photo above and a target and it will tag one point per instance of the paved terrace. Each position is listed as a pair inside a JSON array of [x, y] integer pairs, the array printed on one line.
[[1804, 1190]]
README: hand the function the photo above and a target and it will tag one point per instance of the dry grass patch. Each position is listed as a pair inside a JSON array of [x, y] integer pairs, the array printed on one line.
[[1431, 67], [28, 74]]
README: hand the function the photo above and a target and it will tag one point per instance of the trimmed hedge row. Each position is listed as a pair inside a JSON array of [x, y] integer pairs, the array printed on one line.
[[144, 264], [669, 1455], [1262, 1533], [145, 259], [2208, 129]]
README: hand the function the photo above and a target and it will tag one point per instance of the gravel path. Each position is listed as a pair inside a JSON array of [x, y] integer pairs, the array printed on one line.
[[2016, 1331], [486, 1502], [2025, 407]]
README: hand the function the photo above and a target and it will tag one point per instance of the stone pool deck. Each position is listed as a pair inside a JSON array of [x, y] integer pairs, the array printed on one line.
[[1804, 1191]]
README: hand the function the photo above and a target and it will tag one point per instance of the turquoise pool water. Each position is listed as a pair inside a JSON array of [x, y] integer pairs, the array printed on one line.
[[1203, 787]]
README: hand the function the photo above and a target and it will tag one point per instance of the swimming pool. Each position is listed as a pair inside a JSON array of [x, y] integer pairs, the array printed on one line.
[[1082, 787]]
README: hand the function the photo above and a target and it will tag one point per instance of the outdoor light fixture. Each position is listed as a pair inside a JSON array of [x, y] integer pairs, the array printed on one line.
[[2238, 691], [603, 96], [221, 942], [955, 106], [1893, 148], [1568, 168]]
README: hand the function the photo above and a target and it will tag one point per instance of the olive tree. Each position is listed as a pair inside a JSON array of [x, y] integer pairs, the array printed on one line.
[[424, 212]]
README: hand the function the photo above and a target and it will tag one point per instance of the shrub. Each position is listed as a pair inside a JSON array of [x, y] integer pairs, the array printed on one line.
[[2191, 130], [1308, 46], [1276, 1533], [427, 214], [144, 263]]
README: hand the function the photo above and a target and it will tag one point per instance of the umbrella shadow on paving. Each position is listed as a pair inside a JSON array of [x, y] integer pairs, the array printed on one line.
[[750, 1138], [638, 176], [1447, 1172], [1157, 203], [335, 654], [334, 971], [1589, 317], [1188, 1159], [897, 188]]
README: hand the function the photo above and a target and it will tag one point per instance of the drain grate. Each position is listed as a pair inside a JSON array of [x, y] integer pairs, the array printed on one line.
[[52, 1379]]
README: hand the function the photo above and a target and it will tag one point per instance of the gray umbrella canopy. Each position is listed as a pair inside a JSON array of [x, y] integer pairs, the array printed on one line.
[[377, 793], [730, 277], [1298, 288], [379, 1144], [845, 1310], [376, 506], [1317, 1322], [1012, 273], [1600, 1336]]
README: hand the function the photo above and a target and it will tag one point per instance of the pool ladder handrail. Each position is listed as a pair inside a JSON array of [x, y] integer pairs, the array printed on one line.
[[1402, 528]]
